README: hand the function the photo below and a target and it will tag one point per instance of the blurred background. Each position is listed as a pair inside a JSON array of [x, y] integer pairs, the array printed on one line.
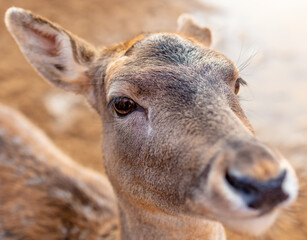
[[266, 39]]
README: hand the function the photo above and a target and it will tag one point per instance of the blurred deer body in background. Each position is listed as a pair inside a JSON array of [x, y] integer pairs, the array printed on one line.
[[47, 195], [178, 149]]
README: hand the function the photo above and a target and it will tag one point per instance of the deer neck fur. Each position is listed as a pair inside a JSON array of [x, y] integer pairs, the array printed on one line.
[[141, 223]]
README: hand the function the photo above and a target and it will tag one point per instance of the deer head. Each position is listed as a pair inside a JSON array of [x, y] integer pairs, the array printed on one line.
[[178, 149]]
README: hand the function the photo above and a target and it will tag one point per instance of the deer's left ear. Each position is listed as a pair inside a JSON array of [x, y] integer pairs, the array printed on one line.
[[59, 56], [188, 27]]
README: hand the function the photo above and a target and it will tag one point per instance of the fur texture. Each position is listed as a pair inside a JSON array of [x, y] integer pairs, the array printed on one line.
[[44, 194], [167, 159]]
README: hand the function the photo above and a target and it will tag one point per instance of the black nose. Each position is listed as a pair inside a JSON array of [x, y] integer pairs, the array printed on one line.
[[260, 195]]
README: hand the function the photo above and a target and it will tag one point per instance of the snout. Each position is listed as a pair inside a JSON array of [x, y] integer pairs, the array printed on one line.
[[259, 195], [259, 176], [244, 186]]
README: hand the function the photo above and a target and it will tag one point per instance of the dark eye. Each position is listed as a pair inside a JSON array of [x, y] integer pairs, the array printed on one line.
[[239, 82], [123, 105]]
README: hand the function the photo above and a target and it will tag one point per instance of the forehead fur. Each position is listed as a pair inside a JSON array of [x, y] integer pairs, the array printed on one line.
[[160, 58], [173, 49]]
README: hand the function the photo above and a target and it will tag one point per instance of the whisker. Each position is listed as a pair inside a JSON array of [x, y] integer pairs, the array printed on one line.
[[240, 54], [247, 62]]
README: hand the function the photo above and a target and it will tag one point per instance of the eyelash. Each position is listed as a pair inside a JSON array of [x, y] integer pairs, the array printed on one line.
[[242, 82], [239, 82]]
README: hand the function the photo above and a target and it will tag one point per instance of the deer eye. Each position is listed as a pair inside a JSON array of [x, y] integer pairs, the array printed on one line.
[[123, 105], [239, 82]]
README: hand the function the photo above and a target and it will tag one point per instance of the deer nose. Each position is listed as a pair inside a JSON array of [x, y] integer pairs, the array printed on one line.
[[259, 195]]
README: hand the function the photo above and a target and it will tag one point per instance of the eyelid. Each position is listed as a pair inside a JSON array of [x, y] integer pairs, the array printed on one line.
[[121, 89], [125, 89], [113, 99]]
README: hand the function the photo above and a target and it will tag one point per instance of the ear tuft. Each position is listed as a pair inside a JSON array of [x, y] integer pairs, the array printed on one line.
[[188, 27]]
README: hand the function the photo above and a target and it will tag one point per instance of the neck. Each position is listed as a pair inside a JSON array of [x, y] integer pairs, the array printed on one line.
[[138, 223]]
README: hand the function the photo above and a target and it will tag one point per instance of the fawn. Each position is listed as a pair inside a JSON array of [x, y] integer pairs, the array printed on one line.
[[178, 149]]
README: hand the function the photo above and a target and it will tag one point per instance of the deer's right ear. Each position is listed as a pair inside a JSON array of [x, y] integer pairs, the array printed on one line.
[[56, 54], [188, 27]]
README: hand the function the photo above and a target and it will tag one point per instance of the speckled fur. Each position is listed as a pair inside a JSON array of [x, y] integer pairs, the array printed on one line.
[[44, 195]]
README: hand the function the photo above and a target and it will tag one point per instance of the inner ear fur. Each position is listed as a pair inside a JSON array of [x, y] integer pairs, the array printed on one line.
[[188, 27], [59, 56]]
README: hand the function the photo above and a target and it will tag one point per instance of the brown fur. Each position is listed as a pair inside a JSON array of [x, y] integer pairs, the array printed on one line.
[[46, 195], [32, 177], [167, 160]]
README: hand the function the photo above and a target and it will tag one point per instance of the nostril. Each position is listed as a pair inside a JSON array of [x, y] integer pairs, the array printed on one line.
[[241, 184], [263, 195]]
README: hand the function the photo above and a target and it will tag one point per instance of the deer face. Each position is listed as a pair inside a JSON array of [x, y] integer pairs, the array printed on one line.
[[183, 144], [175, 139]]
